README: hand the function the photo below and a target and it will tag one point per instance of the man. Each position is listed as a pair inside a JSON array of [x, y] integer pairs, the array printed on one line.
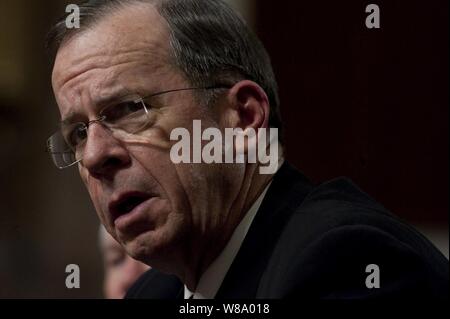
[[137, 71], [120, 270]]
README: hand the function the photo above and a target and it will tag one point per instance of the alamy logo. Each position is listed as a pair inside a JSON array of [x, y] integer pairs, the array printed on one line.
[[237, 146], [373, 19], [73, 279], [73, 18], [373, 280]]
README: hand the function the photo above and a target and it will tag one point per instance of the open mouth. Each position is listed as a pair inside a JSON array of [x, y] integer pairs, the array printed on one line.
[[126, 203]]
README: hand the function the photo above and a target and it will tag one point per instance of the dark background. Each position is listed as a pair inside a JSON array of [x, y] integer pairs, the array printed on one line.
[[368, 104], [371, 104]]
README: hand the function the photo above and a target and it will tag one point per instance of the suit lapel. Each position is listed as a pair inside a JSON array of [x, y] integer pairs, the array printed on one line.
[[180, 294], [288, 190]]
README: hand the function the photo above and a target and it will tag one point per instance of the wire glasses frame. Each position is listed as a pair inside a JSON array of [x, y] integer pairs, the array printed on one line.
[[66, 145]]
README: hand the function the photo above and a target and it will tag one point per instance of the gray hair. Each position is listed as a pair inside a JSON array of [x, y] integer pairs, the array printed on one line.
[[210, 44]]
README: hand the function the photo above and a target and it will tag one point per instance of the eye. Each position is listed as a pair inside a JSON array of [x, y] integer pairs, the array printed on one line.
[[76, 135], [120, 111]]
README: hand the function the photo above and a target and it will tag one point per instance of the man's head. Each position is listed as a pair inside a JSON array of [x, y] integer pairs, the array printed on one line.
[[120, 270], [164, 213]]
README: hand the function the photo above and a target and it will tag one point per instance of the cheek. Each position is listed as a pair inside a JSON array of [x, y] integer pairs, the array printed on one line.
[[155, 137], [158, 165], [94, 190]]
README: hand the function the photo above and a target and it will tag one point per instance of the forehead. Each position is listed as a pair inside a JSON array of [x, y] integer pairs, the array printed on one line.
[[132, 35]]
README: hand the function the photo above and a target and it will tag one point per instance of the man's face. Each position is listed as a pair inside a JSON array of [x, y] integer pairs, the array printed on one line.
[[174, 202]]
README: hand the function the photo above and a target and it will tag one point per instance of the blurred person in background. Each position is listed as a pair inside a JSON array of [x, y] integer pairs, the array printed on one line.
[[120, 270]]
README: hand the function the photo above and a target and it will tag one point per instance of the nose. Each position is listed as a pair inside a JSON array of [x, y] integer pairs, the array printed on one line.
[[103, 154]]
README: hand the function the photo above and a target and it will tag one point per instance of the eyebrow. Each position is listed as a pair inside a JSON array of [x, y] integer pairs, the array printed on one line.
[[98, 103]]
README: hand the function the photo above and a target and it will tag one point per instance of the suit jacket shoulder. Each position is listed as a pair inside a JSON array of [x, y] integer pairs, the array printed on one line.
[[155, 285], [317, 242]]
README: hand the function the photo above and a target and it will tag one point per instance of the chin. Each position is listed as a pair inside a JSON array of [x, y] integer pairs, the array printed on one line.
[[154, 248]]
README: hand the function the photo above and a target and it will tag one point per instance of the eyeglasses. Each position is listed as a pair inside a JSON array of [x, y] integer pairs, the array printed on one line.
[[66, 146]]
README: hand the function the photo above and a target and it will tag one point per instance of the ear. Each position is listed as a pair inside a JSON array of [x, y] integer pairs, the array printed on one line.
[[248, 106]]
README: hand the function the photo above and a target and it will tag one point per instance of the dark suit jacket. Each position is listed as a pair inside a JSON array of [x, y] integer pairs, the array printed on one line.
[[316, 242]]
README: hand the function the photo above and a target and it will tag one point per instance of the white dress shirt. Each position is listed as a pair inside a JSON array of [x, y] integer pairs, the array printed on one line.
[[212, 278]]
